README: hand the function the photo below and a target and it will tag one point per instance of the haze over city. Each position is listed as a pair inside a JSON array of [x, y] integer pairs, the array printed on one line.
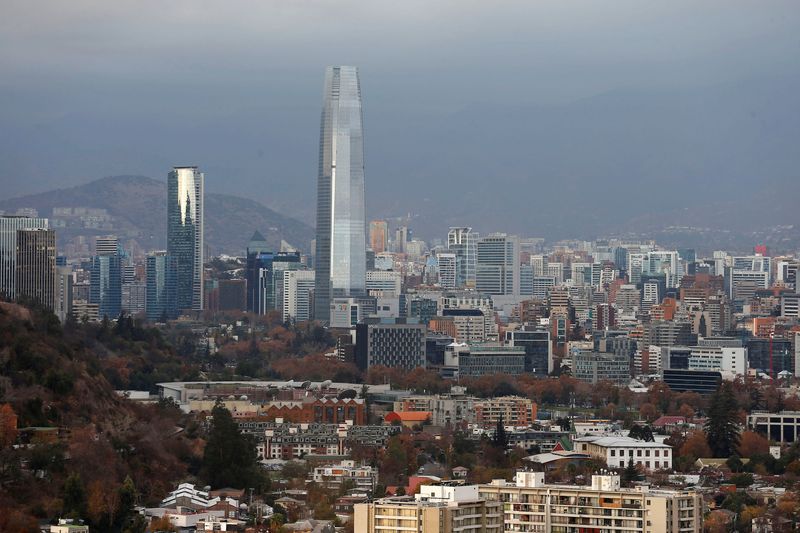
[[371, 267], [532, 105]]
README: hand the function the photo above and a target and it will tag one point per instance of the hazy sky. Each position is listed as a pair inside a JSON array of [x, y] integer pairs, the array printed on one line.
[[95, 88]]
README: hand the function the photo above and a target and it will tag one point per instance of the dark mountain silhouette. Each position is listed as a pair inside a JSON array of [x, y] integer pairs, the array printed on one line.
[[138, 207]]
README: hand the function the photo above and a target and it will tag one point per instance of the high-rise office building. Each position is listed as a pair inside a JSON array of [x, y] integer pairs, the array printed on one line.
[[162, 286], [36, 266], [497, 268], [378, 236], [8, 250], [340, 259], [447, 264], [185, 233], [105, 287], [463, 242], [298, 290], [106, 245]]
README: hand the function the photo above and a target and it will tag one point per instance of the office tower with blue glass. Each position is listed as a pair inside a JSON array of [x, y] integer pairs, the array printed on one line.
[[162, 274], [340, 258], [185, 234]]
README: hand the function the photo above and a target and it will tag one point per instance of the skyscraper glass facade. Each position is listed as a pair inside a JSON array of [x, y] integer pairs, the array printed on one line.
[[341, 233], [185, 234]]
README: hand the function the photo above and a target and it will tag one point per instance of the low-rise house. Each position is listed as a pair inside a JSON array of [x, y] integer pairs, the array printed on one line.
[[617, 451], [310, 526], [408, 419], [66, 525]]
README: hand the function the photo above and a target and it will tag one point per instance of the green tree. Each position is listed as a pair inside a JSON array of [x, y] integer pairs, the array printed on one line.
[[644, 433], [630, 473], [722, 428], [500, 437], [229, 459], [74, 496]]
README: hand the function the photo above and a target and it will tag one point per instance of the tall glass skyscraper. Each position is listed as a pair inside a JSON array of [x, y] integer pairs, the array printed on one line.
[[341, 253], [162, 273], [185, 234]]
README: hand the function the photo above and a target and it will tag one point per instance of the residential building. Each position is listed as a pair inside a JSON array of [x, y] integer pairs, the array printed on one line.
[[514, 411], [340, 259], [379, 236], [333, 476], [185, 234], [530, 504], [440, 508], [448, 266]]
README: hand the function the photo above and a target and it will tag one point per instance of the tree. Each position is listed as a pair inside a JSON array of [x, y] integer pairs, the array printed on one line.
[[74, 496], [751, 443], [722, 428], [648, 411], [644, 433], [630, 473], [8, 426], [229, 458], [500, 437], [696, 446]]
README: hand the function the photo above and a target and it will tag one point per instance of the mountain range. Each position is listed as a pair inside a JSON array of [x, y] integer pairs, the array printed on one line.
[[138, 207]]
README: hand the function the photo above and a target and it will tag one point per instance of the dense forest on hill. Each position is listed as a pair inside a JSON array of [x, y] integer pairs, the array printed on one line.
[[69, 421]]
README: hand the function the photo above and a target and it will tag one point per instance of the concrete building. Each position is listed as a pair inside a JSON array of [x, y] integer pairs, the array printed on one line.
[[298, 288], [483, 360], [513, 411], [392, 343], [530, 504], [332, 476], [440, 508], [463, 243], [617, 451], [9, 225], [731, 361], [497, 265], [385, 281], [447, 264], [538, 349], [782, 427], [379, 236], [592, 367]]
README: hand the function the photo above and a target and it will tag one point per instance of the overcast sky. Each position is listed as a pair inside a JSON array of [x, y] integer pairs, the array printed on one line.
[[95, 88]]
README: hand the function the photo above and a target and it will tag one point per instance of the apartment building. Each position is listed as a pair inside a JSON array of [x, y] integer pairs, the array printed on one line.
[[530, 504], [440, 508]]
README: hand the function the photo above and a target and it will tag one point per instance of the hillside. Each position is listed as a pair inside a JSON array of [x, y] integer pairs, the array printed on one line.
[[137, 205], [70, 421]]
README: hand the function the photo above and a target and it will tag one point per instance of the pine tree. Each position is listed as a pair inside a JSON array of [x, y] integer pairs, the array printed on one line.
[[500, 438], [722, 428], [229, 458], [630, 474]]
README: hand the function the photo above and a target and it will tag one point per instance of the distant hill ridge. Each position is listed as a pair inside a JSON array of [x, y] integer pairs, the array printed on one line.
[[138, 206]]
